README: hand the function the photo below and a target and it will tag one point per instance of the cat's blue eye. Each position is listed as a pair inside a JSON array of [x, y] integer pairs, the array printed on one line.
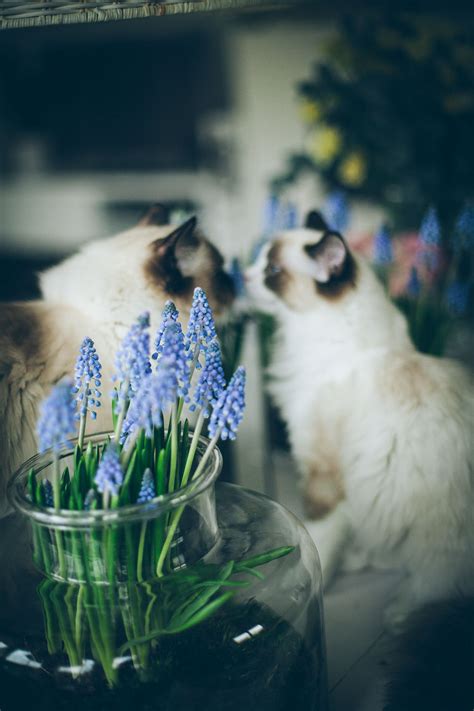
[[272, 269]]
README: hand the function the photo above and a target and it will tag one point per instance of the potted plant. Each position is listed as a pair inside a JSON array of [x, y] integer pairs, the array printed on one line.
[[151, 585]]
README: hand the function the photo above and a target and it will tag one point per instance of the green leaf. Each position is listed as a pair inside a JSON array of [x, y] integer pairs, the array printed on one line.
[[160, 479], [264, 558], [77, 458], [65, 488], [31, 485], [125, 494], [81, 478], [203, 613], [184, 612]]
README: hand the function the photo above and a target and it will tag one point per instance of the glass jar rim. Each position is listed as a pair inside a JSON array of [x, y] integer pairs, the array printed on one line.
[[65, 518]]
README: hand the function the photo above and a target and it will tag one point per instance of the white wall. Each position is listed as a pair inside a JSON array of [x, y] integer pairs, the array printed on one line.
[[266, 64]]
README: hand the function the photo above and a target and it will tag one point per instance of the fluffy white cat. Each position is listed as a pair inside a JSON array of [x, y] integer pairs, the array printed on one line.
[[383, 435], [98, 292]]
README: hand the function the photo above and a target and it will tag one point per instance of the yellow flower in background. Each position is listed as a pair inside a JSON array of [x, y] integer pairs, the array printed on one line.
[[310, 111], [325, 144], [353, 169]]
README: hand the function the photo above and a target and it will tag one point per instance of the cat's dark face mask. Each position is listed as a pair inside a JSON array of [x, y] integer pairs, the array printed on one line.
[[301, 266], [183, 260]]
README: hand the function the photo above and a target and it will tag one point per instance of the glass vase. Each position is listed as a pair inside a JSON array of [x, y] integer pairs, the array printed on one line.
[[92, 614]]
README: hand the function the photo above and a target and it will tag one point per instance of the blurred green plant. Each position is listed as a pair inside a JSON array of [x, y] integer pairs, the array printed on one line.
[[389, 111]]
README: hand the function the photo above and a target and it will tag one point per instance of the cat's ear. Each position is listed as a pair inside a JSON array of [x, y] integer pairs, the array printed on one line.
[[157, 215], [315, 221], [180, 239], [173, 258], [328, 257]]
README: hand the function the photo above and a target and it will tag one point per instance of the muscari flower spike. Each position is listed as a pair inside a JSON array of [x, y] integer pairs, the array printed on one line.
[[413, 286], [173, 351], [457, 298], [157, 391], [237, 276], [109, 475], [48, 494], [229, 409], [336, 211], [382, 248], [132, 361], [211, 381], [170, 314], [147, 489], [430, 229], [87, 379], [271, 212], [201, 328], [57, 420], [464, 229], [290, 216]]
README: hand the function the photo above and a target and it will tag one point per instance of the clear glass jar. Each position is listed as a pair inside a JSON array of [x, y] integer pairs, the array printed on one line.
[[87, 618]]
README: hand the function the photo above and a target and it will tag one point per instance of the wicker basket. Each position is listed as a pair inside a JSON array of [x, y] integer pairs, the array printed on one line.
[[14, 14]]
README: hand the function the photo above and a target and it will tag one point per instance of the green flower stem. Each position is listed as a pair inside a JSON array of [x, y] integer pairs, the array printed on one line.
[[192, 449], [56, 482], [57, 506], [206, 454], [82, 426], [78, 555], [174, 448], [197, 353], [111, 545], [127, 624], [141, 550], [78, 622], [121, 416], [179, 512], [53, 637], [101, 632]]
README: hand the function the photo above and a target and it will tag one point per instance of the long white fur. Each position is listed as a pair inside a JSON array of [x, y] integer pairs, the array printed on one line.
[[353, 389]]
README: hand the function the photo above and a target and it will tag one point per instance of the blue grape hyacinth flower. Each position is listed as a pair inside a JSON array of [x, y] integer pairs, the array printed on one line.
[[382, 247], [48, 493], [157, 392], [430, 229], [229, 408], [429, 254], [336, 211], [57, 420], [413, 286], [201, 328], [147, 488], [169, 315], [457, 298], [109, 475], [237, 276], [87, 379], [464, 229], [211, 381], [173, 351], [132, 360], [271, 213], [290, 216]]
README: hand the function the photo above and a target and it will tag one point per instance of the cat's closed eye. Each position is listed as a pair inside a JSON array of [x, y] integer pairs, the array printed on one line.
[[272, 269]]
